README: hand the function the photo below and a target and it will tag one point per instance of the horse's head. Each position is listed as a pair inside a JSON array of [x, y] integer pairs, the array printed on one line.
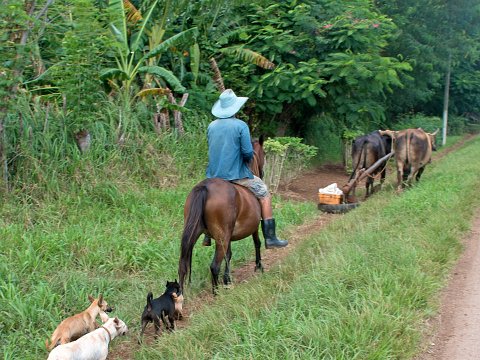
[[258, 161]]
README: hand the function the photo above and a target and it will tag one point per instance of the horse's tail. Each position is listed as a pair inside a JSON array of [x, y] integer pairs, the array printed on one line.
[[193, 228]]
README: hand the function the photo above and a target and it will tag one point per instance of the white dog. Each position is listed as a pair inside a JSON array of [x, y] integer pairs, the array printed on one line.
[[92, 346]]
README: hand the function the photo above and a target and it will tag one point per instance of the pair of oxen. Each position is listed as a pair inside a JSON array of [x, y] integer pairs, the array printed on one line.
[[412, 149]]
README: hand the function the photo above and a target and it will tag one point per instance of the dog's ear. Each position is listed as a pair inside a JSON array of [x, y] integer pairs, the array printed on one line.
[[90, 298], [100, 300], [116, 320]]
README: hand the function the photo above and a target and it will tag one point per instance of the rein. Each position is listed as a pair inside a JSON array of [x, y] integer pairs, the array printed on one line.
[[109, 335], [254, 167]]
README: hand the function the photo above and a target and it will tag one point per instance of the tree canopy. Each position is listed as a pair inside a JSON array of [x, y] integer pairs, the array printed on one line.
[[363, 63]]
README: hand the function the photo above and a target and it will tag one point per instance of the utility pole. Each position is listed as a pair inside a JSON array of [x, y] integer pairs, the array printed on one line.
[[445, 100]]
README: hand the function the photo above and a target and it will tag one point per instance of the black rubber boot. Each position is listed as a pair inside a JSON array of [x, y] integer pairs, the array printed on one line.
[[207, 240], [271, 240]]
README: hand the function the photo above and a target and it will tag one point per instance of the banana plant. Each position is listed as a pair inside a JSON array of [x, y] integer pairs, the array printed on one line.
[[131, 57]]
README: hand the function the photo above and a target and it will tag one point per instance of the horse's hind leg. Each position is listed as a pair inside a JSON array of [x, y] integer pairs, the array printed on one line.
[[220, 251], [226, 275], [258, 259]]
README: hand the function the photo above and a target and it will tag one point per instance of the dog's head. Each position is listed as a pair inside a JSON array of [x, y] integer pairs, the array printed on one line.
[[101, 303], [120, 326], [172, 287]]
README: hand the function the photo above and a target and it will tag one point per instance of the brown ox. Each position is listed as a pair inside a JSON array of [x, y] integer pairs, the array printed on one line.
[[413, 151]]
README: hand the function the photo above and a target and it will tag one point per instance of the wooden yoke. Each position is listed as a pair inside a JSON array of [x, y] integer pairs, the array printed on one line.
[[390, 133]]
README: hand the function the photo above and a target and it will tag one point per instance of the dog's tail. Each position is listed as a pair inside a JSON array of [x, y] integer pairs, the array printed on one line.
[[149, 301], [50, 344], [193, 228]]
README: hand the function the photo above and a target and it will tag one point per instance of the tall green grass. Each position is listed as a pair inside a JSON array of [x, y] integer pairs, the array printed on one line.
[[360, 289], [107, 222]]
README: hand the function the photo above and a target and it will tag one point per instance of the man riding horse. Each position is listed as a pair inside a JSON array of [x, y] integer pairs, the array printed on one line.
[[229, 152]]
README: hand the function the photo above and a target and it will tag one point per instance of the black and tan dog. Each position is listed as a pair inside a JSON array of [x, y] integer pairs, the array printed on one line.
[[161, 308]]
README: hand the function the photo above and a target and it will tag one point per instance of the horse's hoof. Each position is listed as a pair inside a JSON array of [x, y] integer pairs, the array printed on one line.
[[258, 268]]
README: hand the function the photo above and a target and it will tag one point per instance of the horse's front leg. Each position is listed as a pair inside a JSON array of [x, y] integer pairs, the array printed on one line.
[[226, 275], [258, 259]]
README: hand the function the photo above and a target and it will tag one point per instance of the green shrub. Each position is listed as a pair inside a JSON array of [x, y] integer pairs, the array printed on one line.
[[427, 123], [456, 125], [472, 125], [286, 158], [473, 128]]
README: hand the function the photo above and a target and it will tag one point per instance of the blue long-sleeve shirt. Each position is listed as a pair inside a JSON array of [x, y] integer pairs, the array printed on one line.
[[229, 149]]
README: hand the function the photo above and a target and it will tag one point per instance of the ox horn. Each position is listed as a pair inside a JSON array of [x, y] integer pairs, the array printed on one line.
[[435, 133]]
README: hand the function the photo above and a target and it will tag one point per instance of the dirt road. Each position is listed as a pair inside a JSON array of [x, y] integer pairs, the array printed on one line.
[[457, 327]]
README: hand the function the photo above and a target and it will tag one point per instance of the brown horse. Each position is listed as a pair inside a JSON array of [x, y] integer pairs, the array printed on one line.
[[226, 212]]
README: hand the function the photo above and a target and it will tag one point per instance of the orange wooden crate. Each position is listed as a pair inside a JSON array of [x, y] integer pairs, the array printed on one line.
[[330, 199]]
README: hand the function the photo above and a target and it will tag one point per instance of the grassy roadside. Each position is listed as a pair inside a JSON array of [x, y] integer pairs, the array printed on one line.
[[361, 289], [114, 229]]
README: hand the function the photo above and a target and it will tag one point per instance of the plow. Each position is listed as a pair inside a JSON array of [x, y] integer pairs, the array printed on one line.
[[349, 202]]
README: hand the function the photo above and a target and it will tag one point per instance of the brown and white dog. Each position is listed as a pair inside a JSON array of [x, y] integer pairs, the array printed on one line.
[[93, 346], [80, 324]]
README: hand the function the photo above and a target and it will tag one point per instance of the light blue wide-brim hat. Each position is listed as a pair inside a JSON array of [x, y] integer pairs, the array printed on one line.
[[228, 104]]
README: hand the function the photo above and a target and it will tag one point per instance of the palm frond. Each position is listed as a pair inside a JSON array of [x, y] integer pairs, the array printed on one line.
[[113, 73], [249, 56], [118, 21], [183, 37], [133, 14], [144, 23], [165, 74], [152, 92], [195, 60]]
